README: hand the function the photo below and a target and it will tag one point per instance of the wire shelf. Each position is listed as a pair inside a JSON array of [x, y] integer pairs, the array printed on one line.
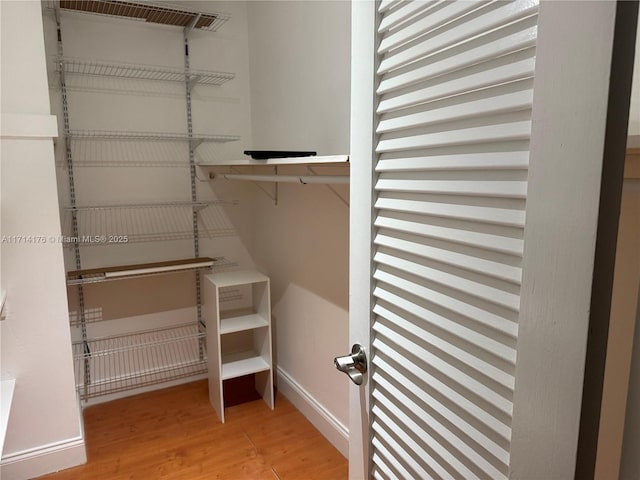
[[91, 315], [126, 362], [148, 12], [223, 264], [123, 224], [107, 153], [147, 136], [140, 72], [90, 151]]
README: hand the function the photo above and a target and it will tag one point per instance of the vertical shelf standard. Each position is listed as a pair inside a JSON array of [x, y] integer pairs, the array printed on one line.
[[238, 341]]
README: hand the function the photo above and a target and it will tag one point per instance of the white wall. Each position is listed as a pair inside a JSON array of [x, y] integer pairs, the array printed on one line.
[[300, 69], [44, 431], [300, 64]]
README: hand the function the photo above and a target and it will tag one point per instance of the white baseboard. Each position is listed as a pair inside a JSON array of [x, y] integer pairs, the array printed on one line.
[[43, 459], [335, 431]]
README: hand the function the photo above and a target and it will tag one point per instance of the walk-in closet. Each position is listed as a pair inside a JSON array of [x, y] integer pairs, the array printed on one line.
[[159, 199], [214, 210], [166, 225]]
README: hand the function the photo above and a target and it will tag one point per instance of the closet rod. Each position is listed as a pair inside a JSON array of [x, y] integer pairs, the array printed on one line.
[[303, 179]]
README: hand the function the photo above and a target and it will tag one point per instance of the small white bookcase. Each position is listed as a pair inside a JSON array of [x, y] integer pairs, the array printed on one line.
[[238, 341]]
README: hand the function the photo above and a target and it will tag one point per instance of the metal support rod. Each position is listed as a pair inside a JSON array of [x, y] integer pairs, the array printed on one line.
[[191, 26], [303, 179], [72, 200], [193, 144]]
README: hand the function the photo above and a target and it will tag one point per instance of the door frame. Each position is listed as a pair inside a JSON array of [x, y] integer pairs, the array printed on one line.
[[363, 16], [622, 65], [571, 89]]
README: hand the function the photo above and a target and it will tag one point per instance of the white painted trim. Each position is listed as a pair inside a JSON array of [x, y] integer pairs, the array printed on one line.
[[37, 461], [571, 86], [18, 125], [321, 418], [363, 57]]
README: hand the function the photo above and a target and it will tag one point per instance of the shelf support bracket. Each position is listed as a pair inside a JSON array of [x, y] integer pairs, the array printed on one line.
[[192, 24], [333, 190], [195, 143], [193, 81], [273, 196]]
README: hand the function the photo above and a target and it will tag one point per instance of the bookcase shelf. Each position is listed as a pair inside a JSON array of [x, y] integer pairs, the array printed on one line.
[[252, 323]]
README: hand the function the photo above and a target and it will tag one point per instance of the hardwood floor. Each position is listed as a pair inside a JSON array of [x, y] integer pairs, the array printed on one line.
[[175, 434]]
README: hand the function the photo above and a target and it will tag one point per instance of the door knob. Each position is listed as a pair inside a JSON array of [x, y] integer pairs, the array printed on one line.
[[353, 365]]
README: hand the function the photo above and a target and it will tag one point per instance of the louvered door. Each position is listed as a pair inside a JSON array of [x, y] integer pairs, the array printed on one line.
[[445, 195], [454, 120]]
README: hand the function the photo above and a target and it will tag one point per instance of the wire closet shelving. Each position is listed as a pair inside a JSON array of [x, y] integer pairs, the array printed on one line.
[[172, 15], [121, 224], [106, 148], [131, 360], [123, 362], [76, 66]]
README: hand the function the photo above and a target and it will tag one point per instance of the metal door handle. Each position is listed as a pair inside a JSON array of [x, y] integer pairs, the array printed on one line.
[[353, 365]]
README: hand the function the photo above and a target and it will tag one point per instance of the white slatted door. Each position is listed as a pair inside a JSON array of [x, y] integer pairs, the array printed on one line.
[[453, 124], [444, 198]]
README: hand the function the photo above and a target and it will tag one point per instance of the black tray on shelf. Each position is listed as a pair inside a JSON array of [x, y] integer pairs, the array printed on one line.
[[266, 154]]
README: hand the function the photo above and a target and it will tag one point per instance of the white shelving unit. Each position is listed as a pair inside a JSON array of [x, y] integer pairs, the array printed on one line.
[[250, 352], [135, 359]]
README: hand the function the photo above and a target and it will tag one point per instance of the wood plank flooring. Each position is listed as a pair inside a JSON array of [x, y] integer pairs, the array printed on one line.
[[175, 434]]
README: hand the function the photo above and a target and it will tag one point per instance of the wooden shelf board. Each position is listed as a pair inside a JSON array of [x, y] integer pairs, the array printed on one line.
[[242, 363], [241, 323], [142, 268], [315, 160]]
